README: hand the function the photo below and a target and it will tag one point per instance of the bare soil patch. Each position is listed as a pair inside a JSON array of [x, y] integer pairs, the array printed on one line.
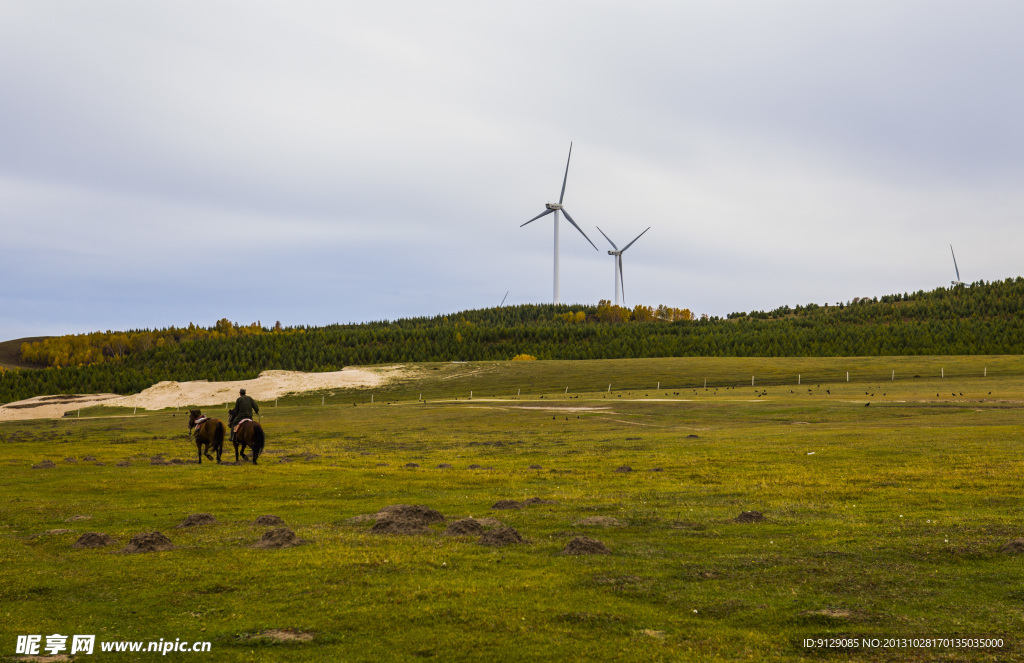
[[1014, 547], [280, 537], [403, 526], [148, 542], [94, 540], [417, 512], [57, 532], [45, 465], [406, 519], [195, 519], [749, 517], [624, 469], [536, 501], [464, 527], [601, 521], [444, 466], [285, 635], [507, 504], [75, 518], [584, 545], [501, 536], [268, 520]]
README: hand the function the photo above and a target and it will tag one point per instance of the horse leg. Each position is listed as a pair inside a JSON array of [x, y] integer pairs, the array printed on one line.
[[199, 450]]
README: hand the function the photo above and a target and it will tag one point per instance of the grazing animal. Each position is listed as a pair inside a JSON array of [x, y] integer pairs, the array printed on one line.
[[208, 433], [249, 434]]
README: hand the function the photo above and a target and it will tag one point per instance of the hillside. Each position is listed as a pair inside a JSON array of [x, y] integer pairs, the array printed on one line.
[[983, 318], [10, 353]]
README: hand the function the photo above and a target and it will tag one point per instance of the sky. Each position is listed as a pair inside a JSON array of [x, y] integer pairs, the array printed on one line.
[[321, 162]]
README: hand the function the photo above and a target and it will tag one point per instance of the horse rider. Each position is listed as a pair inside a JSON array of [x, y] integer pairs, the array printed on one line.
[[245, 406]]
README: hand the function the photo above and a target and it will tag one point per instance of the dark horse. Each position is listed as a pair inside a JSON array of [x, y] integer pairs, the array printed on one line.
[[209, 435], [248, 434]]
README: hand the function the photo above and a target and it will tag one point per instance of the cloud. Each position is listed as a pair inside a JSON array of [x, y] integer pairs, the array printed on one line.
[[323, 162]]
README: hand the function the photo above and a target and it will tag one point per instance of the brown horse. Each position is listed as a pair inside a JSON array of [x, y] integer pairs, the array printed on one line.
[[209, 435], [249, 434]]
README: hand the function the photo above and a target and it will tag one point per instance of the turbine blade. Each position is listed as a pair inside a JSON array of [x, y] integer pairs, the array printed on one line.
[[635, 238], [577, 227], [544, 213], [607, 238], [954, 263], [566, 174], [622, 284], [504, 298]]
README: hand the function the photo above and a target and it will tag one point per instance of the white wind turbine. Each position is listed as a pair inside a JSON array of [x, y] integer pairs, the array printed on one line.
[[617, 253], [958, 281], [556, 208]]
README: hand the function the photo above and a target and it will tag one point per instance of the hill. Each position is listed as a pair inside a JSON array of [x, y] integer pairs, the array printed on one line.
[[10, 353], [983, 318]]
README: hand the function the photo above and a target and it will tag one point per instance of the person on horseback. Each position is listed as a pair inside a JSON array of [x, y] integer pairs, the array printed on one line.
[[245, 406]]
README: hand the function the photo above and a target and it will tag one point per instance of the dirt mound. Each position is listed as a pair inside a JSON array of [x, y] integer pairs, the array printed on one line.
[[536, 467], [94, 540], [749, 517], [70, 460], [194, 519], [412, 464], [601, 521], [444, 466], [584, 545], [158, 461], [691, 436], [1015, 547], [148, 542], [507, 504], [464, 527], [285, 635], [532, 501], [124, 463], [501, 536], [88, 457], [415, 512], [473, 467], [74, 518], [657, 469], [399, 525], [624, 469], [280, 537], [45, 465], [268, 520]]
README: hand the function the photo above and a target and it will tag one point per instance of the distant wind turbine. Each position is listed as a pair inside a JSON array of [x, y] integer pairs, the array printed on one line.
[[958, 281], [617, 253], [556, 208]]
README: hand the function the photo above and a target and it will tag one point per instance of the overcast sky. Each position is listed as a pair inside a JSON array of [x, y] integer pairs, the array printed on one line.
[[319, 162]]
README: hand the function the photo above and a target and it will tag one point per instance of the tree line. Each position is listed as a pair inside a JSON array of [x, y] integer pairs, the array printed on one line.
[[984, 318]]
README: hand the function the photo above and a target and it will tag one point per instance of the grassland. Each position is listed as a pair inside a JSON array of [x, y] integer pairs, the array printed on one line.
[[883, 520]]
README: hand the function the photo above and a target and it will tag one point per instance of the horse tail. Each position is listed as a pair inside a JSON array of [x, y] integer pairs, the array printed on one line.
[[257, 442]]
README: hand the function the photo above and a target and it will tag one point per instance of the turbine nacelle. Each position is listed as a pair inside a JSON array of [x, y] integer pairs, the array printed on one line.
[[553, 206]]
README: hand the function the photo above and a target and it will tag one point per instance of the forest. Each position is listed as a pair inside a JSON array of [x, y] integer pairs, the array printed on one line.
[[980, 318]]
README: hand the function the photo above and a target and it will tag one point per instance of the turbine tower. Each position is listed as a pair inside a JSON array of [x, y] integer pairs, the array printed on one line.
[[958, 281], [556, 208], [617, 253]]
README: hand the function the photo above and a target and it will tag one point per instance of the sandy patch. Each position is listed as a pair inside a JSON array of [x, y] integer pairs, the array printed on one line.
[[268, 386]]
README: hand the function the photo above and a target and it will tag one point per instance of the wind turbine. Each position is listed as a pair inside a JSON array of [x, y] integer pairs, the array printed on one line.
[[556, 208], [958, 281], [618, 263]]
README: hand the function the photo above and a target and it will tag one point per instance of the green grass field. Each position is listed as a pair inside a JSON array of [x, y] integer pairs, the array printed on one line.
[[881, 521]]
